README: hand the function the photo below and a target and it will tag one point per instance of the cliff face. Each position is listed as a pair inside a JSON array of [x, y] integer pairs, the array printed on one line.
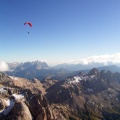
[[39, 107], [94, 96], [25, 99], [35, 108]]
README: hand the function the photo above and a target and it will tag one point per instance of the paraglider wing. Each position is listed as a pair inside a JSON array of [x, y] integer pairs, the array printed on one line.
[[28, 23]]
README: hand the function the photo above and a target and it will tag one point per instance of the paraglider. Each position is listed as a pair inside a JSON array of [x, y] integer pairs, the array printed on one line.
[[29, 23]]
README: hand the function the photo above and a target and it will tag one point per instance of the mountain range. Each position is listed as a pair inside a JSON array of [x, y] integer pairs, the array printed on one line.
[[94, 95], [41, 70]]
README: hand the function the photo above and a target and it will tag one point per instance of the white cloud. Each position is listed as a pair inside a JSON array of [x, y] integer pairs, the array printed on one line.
[[3, 66], [105, 59]]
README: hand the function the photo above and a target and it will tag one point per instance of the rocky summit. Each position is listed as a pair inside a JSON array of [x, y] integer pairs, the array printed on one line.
[[91, 96]]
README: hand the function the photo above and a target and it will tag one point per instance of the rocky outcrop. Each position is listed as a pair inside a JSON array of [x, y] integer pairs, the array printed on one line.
[[47, 82], [19, 112], [32, 106], [4, 78], [40, 108], [2, 104]]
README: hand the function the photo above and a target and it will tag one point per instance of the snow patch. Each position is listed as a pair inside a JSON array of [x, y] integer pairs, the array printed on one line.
[[14, 78], [11, 103], [7, 102], [77, 79], [2, 90], [18, 97]]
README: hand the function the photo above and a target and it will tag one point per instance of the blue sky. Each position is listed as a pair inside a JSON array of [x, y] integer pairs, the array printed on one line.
[[62, 29]]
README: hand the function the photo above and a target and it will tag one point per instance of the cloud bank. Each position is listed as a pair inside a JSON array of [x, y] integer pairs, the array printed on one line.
[[3, 66], [102, 59]]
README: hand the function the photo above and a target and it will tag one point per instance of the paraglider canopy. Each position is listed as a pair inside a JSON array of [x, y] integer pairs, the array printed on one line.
[[29, 23]]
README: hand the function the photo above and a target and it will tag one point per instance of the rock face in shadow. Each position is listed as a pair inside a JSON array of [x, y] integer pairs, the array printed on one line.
[[39, 108]]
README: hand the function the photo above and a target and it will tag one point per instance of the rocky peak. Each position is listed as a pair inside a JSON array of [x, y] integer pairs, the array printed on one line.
[[48, 82], [106, 74], [31, 65], [80, 74], [94, 71], [35, 80]]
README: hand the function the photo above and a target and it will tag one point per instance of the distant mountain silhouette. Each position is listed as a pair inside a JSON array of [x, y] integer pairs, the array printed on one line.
[[41, 70], [75, 67]]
